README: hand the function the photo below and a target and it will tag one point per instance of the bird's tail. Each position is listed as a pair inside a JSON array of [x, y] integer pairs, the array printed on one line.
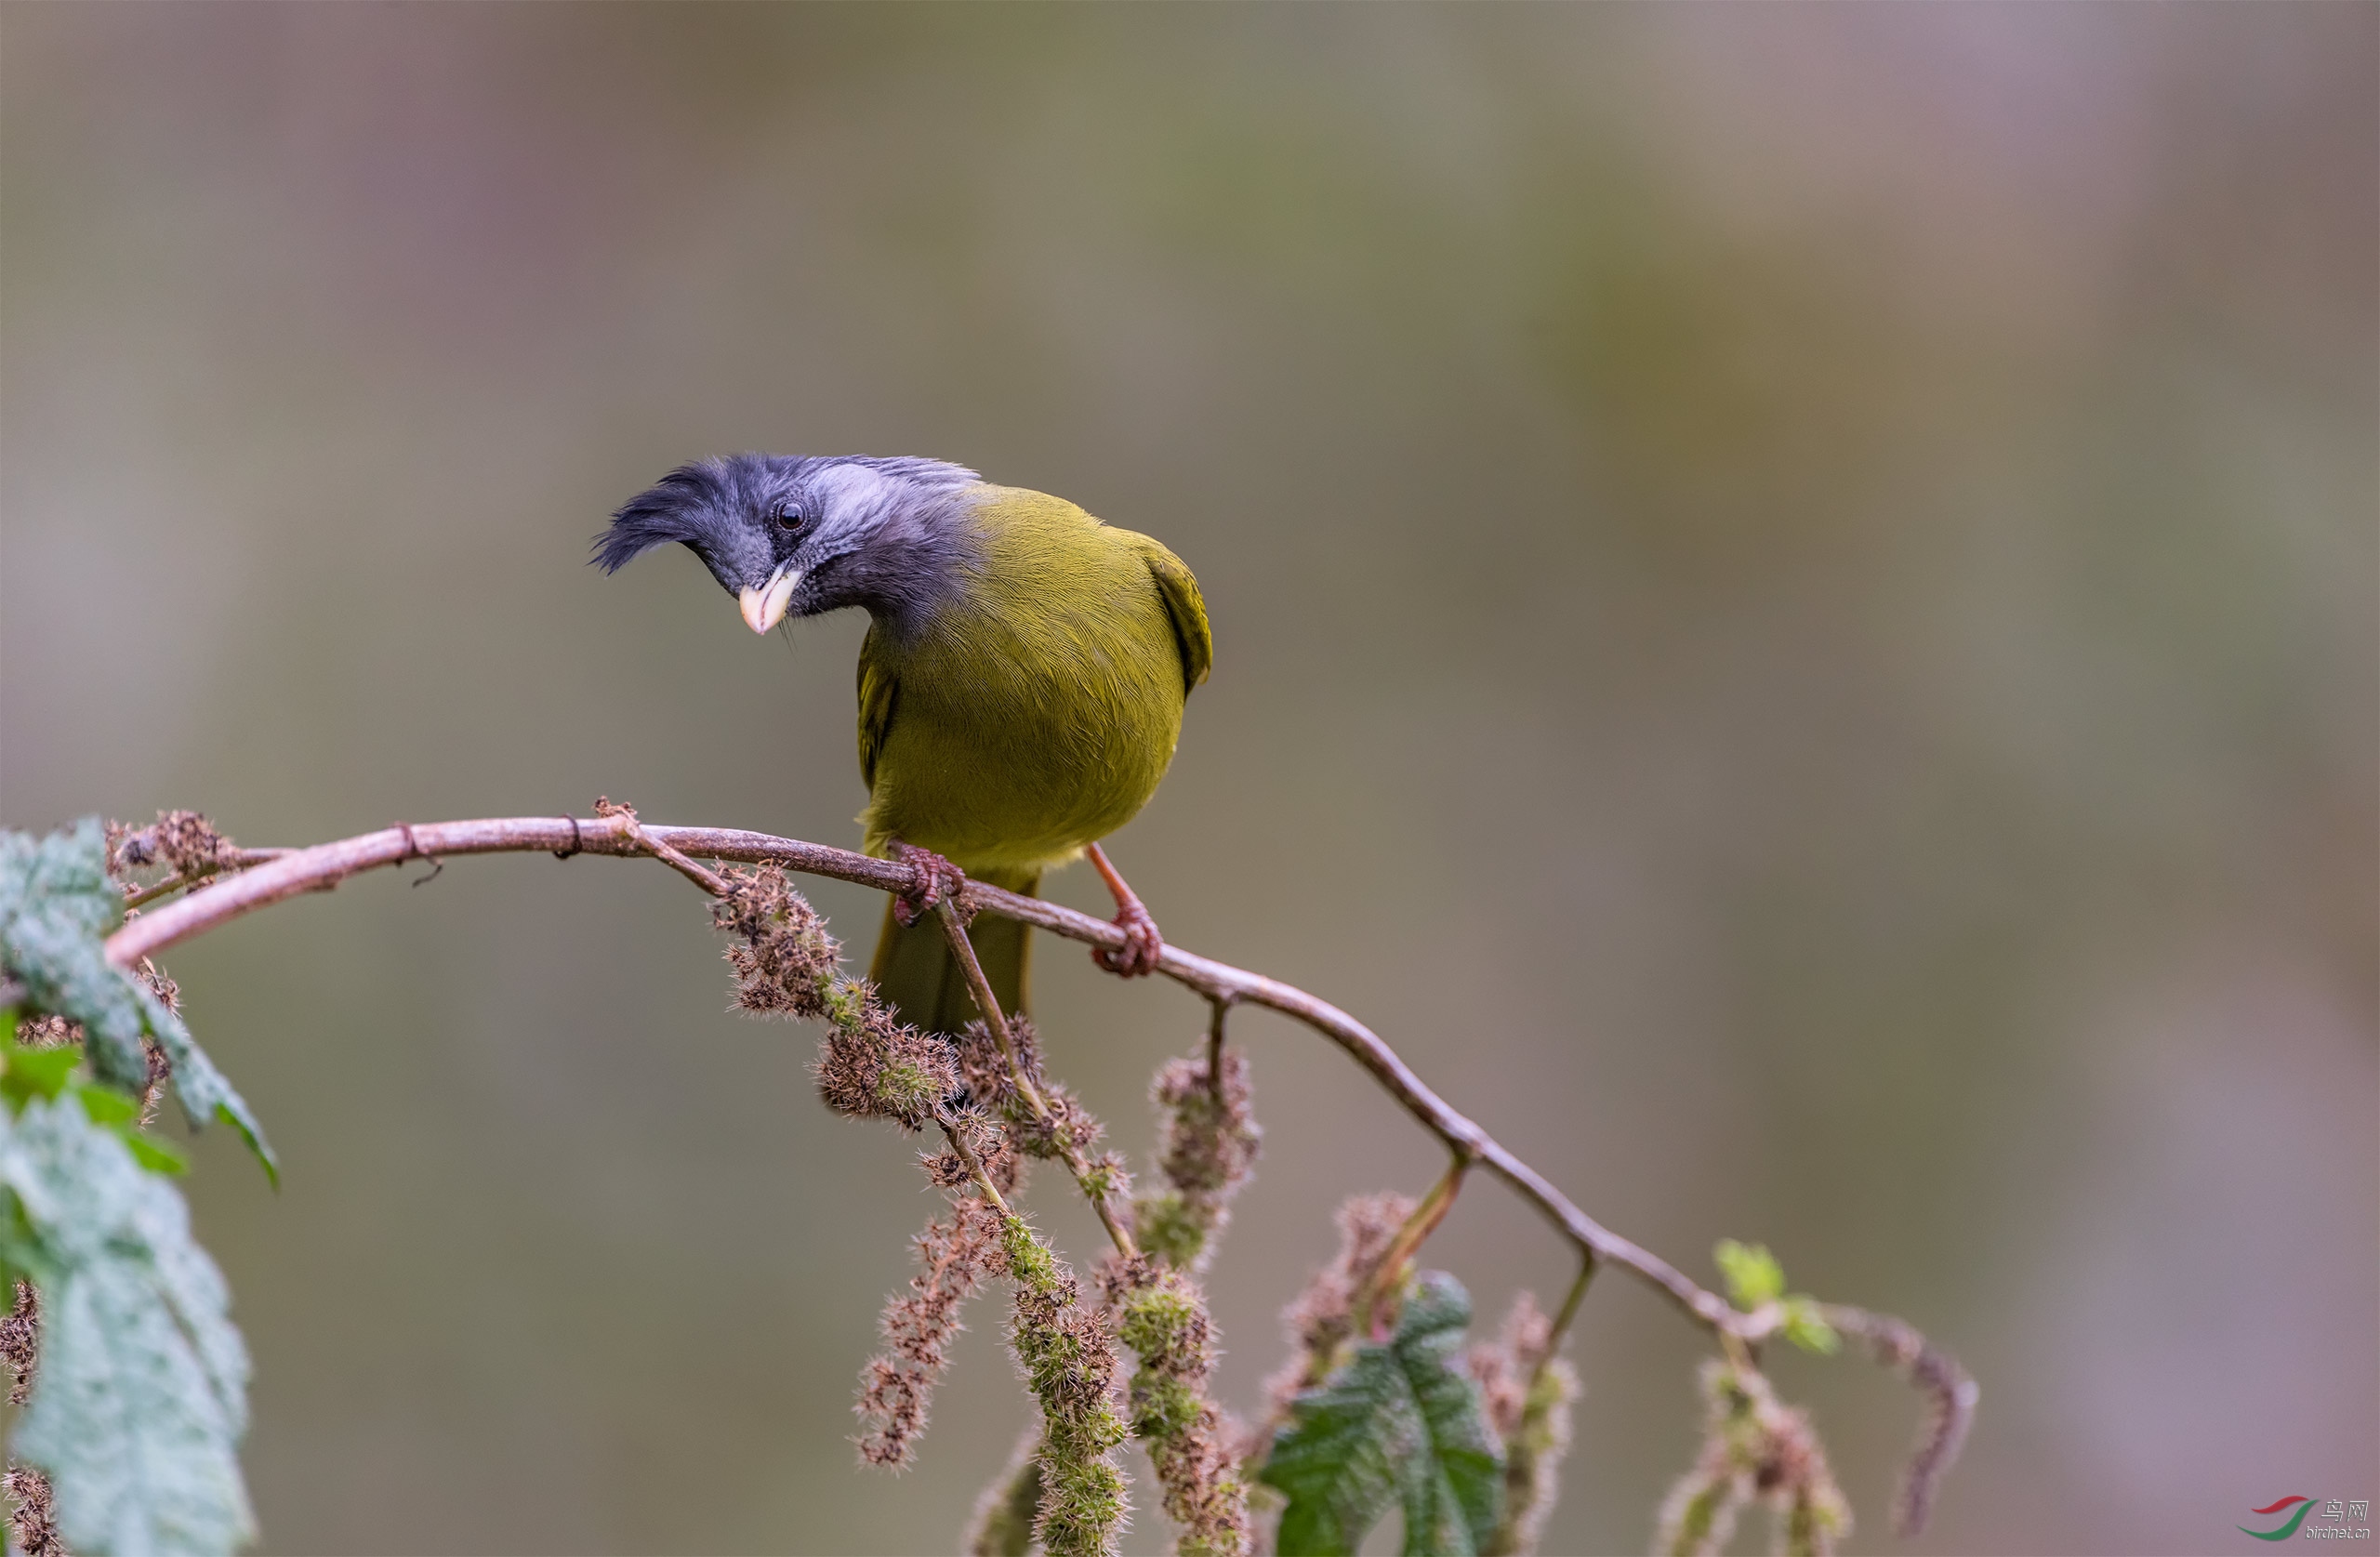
[[917, 974]]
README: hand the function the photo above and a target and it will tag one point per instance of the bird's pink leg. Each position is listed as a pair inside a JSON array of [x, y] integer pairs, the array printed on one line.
[[1142, 945], [937, 878]]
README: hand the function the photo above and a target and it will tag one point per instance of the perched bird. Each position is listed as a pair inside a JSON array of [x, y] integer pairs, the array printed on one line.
[[1021, 686]]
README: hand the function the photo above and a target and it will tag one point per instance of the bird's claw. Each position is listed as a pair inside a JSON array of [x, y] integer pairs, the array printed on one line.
[[1137, 958], [937, 879]]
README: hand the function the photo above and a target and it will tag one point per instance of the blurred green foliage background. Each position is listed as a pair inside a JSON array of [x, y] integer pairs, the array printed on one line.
[[1795, 601]]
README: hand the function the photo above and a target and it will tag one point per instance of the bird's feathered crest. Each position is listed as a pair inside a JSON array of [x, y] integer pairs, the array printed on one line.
[[682, 506], [697, 501]]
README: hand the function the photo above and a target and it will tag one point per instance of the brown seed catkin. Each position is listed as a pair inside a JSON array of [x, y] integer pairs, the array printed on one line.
[[1321, 1317], [20, 1342], [1162, 1316], [1755, 1448], [33, 1519], [1208, 1142], [1525, 1394], [954, 1253], [1064, 1348], [871, 1065]]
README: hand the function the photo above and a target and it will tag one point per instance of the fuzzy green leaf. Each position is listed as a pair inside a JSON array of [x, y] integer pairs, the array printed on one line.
[[204, 1091], [1753, 1275], [56, 909], [157, 1156], [142, 1396], [105, 1105], [1806, 1328], [27, 1074], [120, 1116], [56, 906], [1400, 1423]]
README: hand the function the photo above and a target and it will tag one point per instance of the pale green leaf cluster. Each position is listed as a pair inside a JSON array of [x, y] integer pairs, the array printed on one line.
[[1755, 1279], [140, 1393], [27, 1074], [140, 1398], [57, 908], [1399, 1424], [1752, 1275]]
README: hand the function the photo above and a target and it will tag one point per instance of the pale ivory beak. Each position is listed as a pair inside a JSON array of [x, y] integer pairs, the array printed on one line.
[[764, 607]]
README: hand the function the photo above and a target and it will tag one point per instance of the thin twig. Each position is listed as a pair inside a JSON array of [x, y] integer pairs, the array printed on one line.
[[1561, 1326], [1408, 1241], [226, 861], [980, 987], [989, 1003], [974, 1167], [142, 896], [1218, 1012], [1568, 1311], [624, 818]]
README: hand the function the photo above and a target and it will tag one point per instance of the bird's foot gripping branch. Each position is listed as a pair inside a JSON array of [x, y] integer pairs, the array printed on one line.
[[134, 1382]]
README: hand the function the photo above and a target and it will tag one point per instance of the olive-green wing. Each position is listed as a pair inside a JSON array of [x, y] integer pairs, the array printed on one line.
[[1186, 609], [878, 691]]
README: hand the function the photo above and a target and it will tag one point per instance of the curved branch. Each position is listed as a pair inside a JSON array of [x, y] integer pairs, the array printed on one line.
[[326, 865], [286, 873]]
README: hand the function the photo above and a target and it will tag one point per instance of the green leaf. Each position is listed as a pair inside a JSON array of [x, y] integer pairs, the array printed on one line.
[[1400, 1423], [1753, 1275], [203, 1090], [120, 1116], [142, 1396], [34, 1073], [152, 1153], [105, 1105], [57, 908], [1806, 1328]]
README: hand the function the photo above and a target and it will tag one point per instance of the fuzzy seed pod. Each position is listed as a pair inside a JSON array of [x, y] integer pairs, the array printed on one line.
[[47, 1032], [20, 1342], [1321, 1318], [1525, 1393], [1065, 1350], [1208, 1146], [33, 1520], [954, 1255], [788, 963], [1162, 1316], [1755, 1448]]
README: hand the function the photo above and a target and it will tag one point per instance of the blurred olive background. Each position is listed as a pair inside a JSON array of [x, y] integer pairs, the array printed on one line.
[[1794, 602]]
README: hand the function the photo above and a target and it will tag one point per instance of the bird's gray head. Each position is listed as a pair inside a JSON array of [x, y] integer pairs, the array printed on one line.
[[792, 536]]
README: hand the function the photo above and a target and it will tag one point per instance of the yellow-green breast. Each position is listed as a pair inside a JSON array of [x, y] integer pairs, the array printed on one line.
[[1035, 709]]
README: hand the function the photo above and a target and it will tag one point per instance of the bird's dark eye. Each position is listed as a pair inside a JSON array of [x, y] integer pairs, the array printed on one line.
[[788, 517]]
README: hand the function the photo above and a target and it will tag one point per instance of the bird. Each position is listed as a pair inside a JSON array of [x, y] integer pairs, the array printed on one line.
[[1022, 684]]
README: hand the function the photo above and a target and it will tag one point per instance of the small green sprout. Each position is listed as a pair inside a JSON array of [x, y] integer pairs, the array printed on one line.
[[1755, 1280]]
